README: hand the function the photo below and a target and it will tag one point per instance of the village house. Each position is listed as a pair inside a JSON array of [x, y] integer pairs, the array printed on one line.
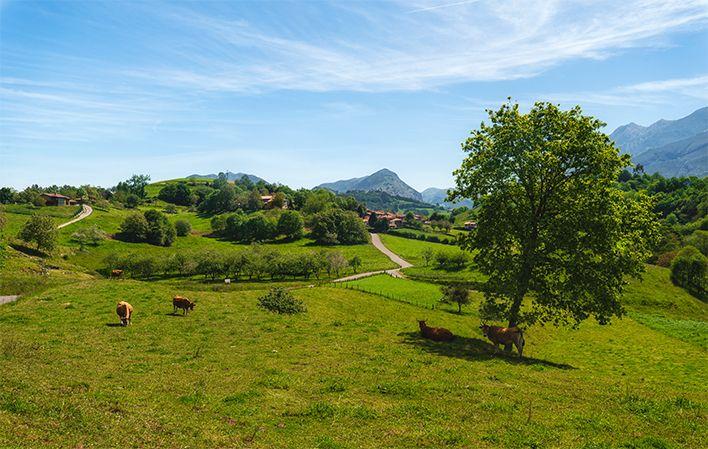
[[470, 225], [56, 199]]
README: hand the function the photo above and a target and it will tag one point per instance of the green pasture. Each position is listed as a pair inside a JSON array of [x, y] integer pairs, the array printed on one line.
[[351, 372]]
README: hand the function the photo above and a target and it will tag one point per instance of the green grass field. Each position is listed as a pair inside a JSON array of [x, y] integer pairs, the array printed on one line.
[[351, 372]]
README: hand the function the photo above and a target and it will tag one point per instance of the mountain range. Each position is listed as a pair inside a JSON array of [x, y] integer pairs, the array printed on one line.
[[669, 147], [229, 176]]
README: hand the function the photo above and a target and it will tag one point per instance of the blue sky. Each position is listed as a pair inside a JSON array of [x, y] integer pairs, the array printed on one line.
[[307, 92]]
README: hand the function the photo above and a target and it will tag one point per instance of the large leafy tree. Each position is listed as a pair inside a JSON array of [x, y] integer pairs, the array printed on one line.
[[555, 235]]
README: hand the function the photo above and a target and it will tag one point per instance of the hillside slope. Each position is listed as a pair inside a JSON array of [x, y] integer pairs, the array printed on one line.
[[229, 175], [682, 158]]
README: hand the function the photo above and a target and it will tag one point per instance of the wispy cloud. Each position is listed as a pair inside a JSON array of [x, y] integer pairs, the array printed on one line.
[[641, 94], [392, 50]]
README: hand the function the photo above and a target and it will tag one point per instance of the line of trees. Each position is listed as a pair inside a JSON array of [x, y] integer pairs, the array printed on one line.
[[255, 263]]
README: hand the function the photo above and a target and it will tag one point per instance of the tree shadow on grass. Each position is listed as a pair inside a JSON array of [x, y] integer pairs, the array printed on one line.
[[472, 349]]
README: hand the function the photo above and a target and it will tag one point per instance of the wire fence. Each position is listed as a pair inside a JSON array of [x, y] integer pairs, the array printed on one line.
[[348, 286]]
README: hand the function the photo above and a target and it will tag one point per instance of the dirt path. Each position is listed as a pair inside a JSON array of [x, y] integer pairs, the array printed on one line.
[[395, 258], [86, 210]]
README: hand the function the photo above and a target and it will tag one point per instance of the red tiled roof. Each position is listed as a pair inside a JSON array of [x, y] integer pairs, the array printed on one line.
[[55, 195]]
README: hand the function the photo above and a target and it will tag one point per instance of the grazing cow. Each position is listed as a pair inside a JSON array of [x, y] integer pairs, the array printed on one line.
[[435, 333], [180, 302], [125, 312], [505, 336], [116, 273]]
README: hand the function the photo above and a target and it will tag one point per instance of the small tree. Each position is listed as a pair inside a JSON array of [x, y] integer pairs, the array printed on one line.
[[41, 230], [218, 224], [290, 224], [134, 228], [355, 263], [160, 230], [92, 235], [428, 255], [689, 270], [455, 294], [183, 228], [337, 262]]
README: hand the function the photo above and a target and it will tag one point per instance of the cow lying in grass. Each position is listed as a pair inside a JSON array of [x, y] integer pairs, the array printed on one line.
[[180, 302], [125, 312], [505, 336], [435, 333], [115, 274]]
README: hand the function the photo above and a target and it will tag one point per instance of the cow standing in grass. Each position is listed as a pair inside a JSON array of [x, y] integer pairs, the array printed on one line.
[[435, 333], [180, 302], [125, 312], [505, 336]]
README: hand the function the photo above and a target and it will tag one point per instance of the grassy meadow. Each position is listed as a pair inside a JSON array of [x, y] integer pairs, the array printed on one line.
[[351, 372]]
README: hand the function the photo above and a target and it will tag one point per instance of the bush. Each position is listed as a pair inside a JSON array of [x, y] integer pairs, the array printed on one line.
[[690, 270], [218, 224], [41, 230], [257, 228], [183, 228], [665, 259], [177, 194], [451, 261], [279, 300], [132, 201], [151, 227], [89, 236], [699, 240]]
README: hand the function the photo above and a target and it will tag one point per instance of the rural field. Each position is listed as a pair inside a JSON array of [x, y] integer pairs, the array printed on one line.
[[351, 372]]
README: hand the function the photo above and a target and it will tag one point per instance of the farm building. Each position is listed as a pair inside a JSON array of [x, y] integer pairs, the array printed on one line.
[[470, 225], [56, 199]]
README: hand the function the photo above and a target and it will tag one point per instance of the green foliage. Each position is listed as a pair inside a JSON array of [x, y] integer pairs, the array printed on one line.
[[336, 226], [218, 224], [152, 227], [552, 222], [689, 270], [290, 225], [160, 231], [132, 201], [699, 240], [451, 261], [257, 228], [455, 294], [355, 263], [183, 228], [92, 235], [177, 194], [134, 228], [135, 185], [377, 224], [40, 230], [279, 300]]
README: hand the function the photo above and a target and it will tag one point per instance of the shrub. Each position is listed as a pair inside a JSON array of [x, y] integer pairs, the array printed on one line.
[[699, 240], [132, 201], [218, 224], [690, 270], [258, 228], [665, 259], [177, 194], [451, 261], [455, 294], [279, 300], [170, 209], [183, 228], [40, 229]]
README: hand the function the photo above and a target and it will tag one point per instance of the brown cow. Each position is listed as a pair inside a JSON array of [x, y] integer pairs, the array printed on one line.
[[116, 273], [180, 302], [435, 333], [125, 312], [505, 336]]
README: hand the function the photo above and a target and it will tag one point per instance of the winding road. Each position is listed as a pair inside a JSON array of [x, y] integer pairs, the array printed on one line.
[[395, 258], [86, 210]]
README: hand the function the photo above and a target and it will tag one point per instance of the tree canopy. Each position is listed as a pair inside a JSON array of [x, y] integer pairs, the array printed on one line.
[[553, 227]]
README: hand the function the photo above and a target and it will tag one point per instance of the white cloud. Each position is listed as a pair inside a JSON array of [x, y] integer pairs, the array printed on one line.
[[390, 49]]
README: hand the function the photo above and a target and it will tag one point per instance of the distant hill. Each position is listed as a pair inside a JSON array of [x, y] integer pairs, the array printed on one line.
[[230, 176], [669, 147], [682, 158], [434, 195], [382, 181]]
